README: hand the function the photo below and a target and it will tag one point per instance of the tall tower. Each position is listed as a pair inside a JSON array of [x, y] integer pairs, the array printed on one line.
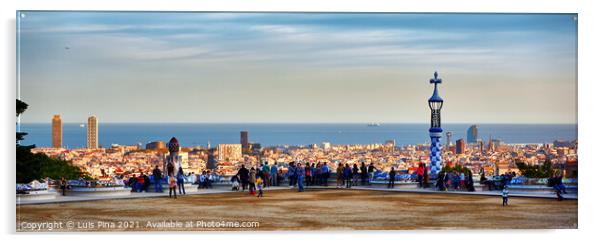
[[57, 131], [244, 139], [435, 132], [449, 141], [472, 135], [92, 132]]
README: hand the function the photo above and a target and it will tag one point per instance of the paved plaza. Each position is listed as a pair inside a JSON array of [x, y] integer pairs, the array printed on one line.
[[315, 209]]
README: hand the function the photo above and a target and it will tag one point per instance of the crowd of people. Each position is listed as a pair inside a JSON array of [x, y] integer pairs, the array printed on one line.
[[455, 181], [301, 175], [255, 179]]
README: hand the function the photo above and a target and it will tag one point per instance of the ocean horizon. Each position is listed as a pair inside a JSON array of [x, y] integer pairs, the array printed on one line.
[[272, 134]]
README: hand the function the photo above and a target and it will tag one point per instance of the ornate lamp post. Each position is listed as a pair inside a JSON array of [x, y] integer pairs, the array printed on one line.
[[173, 162], [435, 103]]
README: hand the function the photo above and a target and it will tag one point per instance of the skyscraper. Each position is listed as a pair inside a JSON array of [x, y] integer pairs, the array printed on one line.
[[92, 132], [460, 146], [57, 131], [244, 139], [435, 132], [472, 135]]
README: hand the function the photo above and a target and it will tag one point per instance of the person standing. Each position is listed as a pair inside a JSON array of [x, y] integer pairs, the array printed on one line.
[[318, 174], [274, 175], [291, 174], [505, 196], [420, 174], [441, 181], [172, 186], [299, 171], [364, 174], [469, 182], [340, 182], [356, 175], [265, 170], [325, 174], [63, 186], [181, 189], [243, 175], [157, 176], [251, 179], [462, 181], [347, 174], [371, 170], [312, 171], [307, 172], [392, 174]]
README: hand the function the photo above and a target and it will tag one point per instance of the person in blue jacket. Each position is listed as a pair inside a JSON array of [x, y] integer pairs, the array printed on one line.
[[347, 174], [274, 175], [325, 174]]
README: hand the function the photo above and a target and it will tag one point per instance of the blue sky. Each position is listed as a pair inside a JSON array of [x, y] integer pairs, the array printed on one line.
[[297, 67]]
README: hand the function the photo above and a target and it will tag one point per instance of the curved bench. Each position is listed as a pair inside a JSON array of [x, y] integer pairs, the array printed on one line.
[[98, 191], [37, 195]]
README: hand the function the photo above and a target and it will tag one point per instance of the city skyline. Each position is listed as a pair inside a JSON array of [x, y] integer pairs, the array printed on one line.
[[297, 68]]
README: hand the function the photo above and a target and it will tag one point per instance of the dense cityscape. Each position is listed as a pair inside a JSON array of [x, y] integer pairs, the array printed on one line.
[[491, 157]]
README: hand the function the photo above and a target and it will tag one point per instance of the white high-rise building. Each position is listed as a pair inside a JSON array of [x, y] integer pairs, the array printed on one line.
[[92, 132]]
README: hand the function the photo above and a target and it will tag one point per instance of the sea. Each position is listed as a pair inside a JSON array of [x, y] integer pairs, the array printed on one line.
[[200, 134]]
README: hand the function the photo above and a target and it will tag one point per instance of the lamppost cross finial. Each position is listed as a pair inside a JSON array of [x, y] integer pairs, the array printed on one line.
[[436, 80]]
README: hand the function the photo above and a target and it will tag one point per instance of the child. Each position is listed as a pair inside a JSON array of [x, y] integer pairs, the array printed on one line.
[[505, 196], [259, 183], [172, 186]]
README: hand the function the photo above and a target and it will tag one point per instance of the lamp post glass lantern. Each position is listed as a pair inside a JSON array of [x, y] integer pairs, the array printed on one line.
[[435, 132]]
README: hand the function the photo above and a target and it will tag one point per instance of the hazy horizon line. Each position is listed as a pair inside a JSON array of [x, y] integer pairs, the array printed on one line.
[[318, 123]]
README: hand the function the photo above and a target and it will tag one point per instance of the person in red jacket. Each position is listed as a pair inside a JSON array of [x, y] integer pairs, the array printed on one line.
[[420, 174]]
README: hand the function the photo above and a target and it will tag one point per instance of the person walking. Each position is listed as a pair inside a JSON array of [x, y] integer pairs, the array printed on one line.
[[181, 189], [391, 183], [172, 186], [157, 176], [243, 175], [259, 183], [505, 196]]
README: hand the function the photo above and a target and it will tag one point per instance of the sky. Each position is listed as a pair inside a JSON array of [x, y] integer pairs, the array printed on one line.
[[297, 67]]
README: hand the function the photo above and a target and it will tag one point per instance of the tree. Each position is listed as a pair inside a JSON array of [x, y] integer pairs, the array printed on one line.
[[32, 166], [536, 171], [21, 107]]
